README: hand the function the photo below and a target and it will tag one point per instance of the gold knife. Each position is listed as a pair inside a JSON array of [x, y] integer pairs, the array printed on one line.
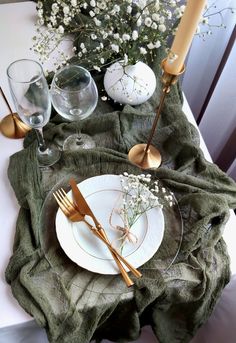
[[84, 209]]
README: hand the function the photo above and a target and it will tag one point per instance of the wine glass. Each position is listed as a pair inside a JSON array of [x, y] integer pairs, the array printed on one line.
[[74, 96], [31, 96]]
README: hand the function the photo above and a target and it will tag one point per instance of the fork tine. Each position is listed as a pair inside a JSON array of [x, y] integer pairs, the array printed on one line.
[[60, 203], [71, 202], [66, 202], [67, 199], [61, 199]]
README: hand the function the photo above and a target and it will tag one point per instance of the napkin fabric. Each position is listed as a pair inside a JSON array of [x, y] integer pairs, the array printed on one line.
[[74, 305]]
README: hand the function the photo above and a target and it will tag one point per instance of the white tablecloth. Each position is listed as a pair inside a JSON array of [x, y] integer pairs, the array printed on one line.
[[17, 28]]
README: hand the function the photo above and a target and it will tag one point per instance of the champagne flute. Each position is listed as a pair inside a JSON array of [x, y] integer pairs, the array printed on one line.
[[74, 96], [31, 96]]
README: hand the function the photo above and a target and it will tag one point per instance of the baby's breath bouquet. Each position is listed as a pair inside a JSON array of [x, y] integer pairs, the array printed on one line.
[[140, 194], [104, 31]]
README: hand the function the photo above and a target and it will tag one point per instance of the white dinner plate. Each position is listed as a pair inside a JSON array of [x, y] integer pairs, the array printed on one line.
[[102, 194]]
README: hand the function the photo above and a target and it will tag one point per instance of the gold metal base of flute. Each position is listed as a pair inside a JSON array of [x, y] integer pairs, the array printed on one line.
[[150, 159], [12, 127]]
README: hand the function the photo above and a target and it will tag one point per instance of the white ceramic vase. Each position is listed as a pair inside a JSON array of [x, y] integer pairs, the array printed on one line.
[[131, 84]]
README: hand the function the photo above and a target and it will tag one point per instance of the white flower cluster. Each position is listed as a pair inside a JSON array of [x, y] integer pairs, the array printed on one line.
[[142, 194], [139, 195], [54, 20], [106, 30]]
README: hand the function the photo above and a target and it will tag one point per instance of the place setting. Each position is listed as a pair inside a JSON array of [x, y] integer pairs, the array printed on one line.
[[136, 232]]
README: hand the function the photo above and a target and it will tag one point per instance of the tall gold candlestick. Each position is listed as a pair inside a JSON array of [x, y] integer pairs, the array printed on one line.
[[146, 155]]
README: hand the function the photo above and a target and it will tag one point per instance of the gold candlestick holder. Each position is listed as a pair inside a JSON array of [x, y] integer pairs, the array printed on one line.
[[11, 126], [146, 155]]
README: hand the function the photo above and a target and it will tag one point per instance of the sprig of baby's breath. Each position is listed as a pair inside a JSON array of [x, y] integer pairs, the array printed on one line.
[[140, 194]]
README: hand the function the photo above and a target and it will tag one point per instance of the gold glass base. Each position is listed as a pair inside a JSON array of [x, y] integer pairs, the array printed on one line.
[[12, 127], [145, 160]]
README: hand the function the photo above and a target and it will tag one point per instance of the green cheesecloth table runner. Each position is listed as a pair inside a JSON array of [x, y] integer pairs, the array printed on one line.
[[175, 302]]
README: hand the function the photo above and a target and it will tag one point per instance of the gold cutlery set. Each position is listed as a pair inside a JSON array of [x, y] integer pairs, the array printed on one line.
[[76, 210]]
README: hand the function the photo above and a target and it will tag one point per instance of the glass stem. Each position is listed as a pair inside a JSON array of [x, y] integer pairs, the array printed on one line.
[[79, 140], [40, 138]]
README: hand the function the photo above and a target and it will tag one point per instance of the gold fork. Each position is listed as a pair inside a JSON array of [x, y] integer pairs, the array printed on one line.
[[69, 209]]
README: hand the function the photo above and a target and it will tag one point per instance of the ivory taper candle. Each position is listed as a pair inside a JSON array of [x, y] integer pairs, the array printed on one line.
[[184, 35]]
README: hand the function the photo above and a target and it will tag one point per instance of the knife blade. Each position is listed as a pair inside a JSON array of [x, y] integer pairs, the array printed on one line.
[[84, 209], [82, 203]]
